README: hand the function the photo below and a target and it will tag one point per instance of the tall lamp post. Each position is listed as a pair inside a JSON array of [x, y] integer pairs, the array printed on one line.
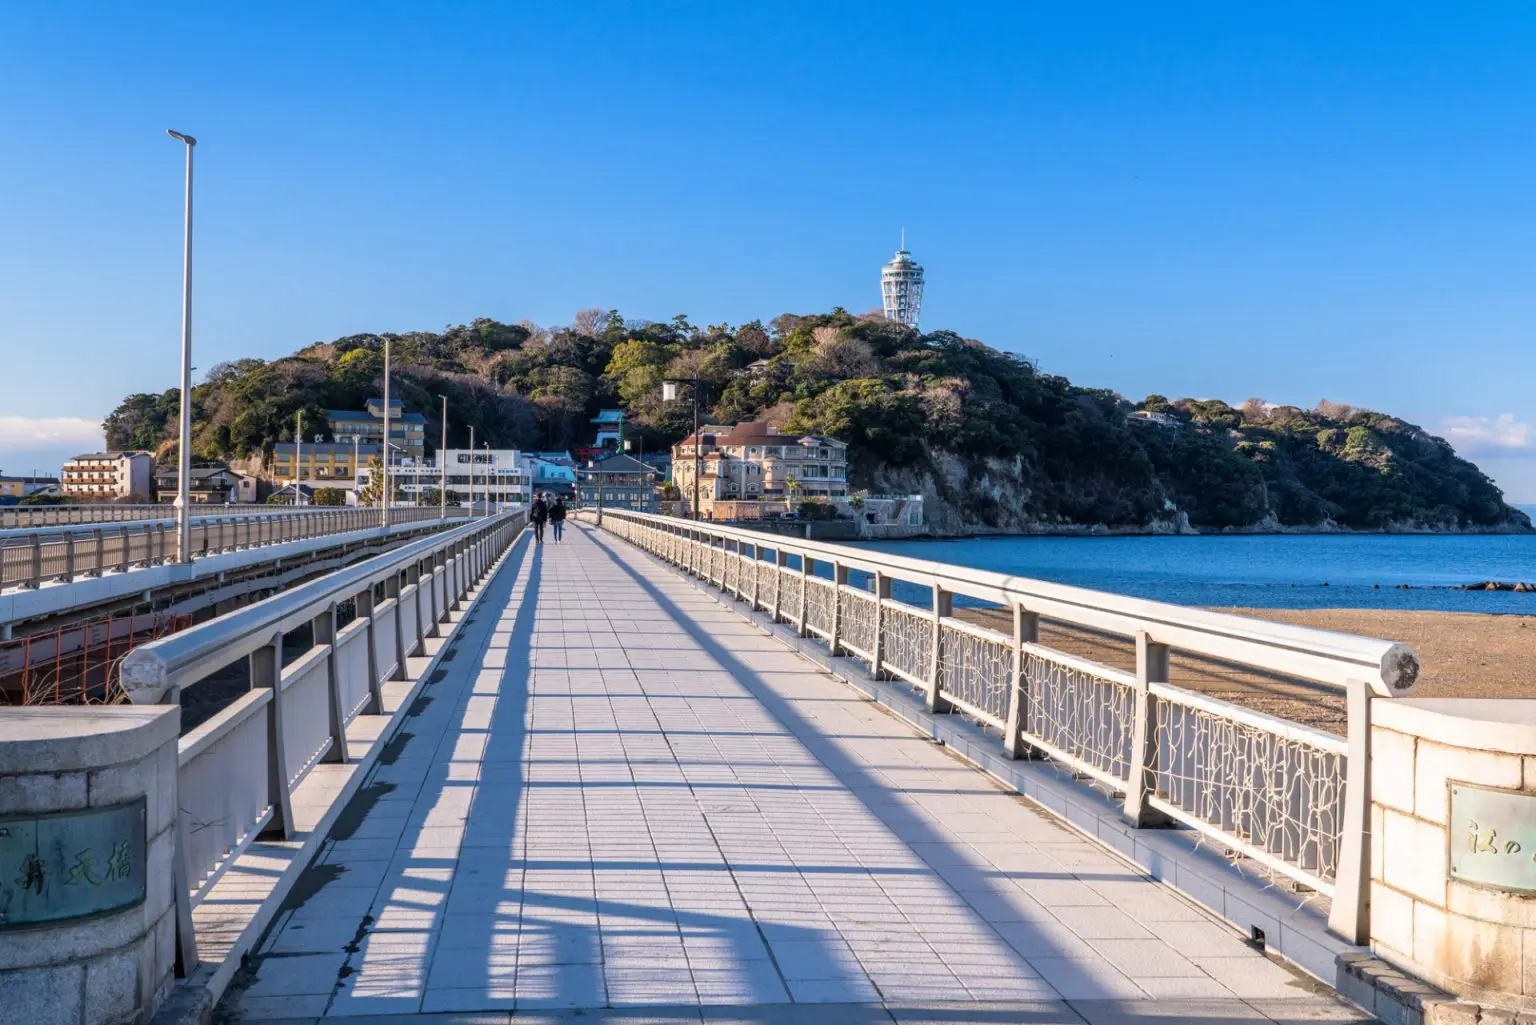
[[490, 470], [471, 471], [184, 446], [669, 393], [442, 462], [384, 493]]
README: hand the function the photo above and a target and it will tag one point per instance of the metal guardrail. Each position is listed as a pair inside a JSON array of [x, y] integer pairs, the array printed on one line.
[[239, 770], [1293, 798], [65, 553], [14, 517]]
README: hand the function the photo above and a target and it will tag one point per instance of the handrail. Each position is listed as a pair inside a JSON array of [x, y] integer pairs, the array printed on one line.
[[30, 558], [1292, 798], [1323, 656], [185, 658]]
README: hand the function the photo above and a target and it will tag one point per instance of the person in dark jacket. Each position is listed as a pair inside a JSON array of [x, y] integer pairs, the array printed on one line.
[[557, 517], [538, 514]]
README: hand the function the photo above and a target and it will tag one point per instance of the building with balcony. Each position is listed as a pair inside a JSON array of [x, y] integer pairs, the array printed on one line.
[[210, 485], [407, 431], [108, 476], [754, 462], [322, 464], [618, 482]]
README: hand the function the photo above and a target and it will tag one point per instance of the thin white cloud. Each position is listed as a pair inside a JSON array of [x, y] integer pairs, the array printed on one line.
[[20, 433], [1500, 435]]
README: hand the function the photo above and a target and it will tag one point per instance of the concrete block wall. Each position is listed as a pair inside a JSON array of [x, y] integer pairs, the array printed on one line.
[[114, 968], [1472, 941]]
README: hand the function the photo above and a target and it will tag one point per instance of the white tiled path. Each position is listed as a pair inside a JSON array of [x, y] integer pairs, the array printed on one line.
[[621, 794]]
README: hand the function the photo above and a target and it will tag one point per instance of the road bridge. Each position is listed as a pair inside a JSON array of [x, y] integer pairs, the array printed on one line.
[[610, 794]]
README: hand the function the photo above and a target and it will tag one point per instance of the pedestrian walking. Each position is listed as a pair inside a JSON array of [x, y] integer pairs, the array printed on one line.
[[557, 517], [538, 514]]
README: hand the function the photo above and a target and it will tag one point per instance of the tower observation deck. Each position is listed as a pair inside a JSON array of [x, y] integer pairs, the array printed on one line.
[[901, 287]]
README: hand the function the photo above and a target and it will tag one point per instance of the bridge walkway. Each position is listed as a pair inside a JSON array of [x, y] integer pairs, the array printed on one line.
[[620, 794]]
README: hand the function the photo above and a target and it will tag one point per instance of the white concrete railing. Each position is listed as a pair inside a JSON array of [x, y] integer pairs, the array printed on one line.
[[33, 558], [239, 770], [1290, 797], [21, 516]]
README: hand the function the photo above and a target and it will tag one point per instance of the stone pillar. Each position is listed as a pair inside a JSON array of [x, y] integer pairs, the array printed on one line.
[[87, 809], [1453, 844]]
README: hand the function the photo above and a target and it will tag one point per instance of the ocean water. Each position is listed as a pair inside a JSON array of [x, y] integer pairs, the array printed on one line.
[[1265, 571]]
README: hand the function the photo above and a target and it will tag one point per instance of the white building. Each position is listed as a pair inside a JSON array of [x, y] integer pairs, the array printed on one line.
[[104, 476], [497, 475]]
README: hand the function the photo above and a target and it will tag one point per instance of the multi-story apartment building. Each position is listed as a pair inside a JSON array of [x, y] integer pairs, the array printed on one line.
[[407, 431], [618, 482], [754, 462], [106, 476], [323, 464]]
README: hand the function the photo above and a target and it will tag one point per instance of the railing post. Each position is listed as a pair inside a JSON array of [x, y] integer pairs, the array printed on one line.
[[803, 618], [324, 630], [69, 557], [124, 535], [364, 604], [780, 560], [1350, 916], [1026, 630], [267, 671], [1151, 667], [434, 578], [99, 564], [413, 575], [392, 590], [943, 605], [882, 595], [37, 562], [757, 566], [839, 579]]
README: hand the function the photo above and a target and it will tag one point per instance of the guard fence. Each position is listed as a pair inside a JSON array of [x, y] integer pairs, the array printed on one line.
[[1293, 798], [22, 516], [238, 770], [33, 558]]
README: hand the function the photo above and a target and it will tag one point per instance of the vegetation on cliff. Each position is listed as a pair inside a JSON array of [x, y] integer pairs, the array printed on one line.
[[989, 435]]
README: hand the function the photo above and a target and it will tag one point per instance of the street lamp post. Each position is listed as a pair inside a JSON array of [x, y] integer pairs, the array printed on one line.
[[669, 390], [184, 446], [490, 470], [471, 471], [298, 458], [442, 462], [384, 492]]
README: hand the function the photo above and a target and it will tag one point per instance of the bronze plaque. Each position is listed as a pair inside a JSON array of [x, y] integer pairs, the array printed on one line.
[[71, 864], [1493, 838]]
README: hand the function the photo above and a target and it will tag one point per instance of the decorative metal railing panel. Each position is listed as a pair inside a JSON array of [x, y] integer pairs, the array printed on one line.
[[976, 670], [793, 593], [818, 605], [1080, 712], [856, 621], [1279, 792], [908, 637]]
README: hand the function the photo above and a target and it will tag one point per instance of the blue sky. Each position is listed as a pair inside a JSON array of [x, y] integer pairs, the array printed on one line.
[[1297, 203]]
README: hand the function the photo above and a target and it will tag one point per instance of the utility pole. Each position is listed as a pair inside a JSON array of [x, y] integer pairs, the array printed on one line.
[[442, 462], [298, 459], [184, 446], [384, 492]]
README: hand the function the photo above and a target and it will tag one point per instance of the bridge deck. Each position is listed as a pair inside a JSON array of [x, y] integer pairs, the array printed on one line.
[[619, 794]]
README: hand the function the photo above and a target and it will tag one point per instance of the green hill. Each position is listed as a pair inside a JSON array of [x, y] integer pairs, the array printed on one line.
[[995, 443]]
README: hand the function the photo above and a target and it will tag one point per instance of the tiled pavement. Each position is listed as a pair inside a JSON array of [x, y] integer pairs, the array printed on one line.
[[619, 794]]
